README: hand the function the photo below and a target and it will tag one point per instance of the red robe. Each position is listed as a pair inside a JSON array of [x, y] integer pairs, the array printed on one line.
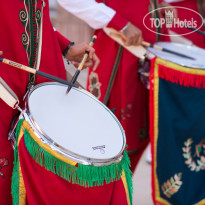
[[66, 183], [128, 95], [12, 30], [197, 39], [42, 186]]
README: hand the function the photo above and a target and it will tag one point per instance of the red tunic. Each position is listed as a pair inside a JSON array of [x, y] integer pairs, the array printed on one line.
[[197, 39], [42, 186], [46, 188], [13, 44], [128, 95]]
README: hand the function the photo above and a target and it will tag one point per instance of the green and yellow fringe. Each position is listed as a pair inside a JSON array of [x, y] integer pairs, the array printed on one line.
[[17, 186], [83, 175]]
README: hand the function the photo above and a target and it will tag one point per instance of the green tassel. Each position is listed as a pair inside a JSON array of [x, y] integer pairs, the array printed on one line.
[[128, 175], [84, 175], [15, 174]]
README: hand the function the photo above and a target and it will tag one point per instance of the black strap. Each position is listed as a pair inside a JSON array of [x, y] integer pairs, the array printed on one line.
[[113, 75]]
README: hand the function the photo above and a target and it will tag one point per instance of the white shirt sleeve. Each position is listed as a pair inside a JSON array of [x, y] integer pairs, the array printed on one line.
[[96, 15]]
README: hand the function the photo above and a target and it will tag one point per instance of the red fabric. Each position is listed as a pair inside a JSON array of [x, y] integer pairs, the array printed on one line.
[[181, 78], [117, 22], [128, 94], [45, 188], [51, 62], [151, 131], [63, 42], [197, 39]]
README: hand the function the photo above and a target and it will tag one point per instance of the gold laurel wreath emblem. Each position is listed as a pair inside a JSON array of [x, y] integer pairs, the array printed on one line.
[[194, 164]]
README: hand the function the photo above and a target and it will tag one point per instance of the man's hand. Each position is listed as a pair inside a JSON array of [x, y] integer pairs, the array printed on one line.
[[1, 52], [131, 35], [76, 53]]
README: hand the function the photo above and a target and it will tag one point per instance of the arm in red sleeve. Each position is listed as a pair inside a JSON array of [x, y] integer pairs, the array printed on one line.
[[117, 22], [63, 42]]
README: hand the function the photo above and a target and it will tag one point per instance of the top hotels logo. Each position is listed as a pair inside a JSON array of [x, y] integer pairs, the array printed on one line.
[[194, 21]]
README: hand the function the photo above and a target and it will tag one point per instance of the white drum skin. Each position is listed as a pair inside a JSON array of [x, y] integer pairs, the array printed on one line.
[[197, 53], [76, 125]]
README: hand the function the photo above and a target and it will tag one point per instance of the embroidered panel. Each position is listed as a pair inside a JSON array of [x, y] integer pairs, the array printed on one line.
[[30, 16], [177, 133], [94, 84]]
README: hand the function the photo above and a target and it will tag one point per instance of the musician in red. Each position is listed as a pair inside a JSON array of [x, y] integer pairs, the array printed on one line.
[[19, 41], [116, 82]]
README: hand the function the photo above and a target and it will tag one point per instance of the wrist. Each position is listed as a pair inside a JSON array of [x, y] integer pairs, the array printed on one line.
[[67, 48], [125, 27]]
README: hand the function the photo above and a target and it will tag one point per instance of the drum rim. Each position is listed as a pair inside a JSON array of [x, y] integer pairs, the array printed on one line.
[[177, 44], [62, 150]]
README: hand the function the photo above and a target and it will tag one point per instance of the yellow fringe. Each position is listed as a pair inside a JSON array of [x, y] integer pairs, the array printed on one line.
[[179, 67]]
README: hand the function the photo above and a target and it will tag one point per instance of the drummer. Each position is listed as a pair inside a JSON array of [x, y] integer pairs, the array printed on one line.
[[124, 91], [18, 41]]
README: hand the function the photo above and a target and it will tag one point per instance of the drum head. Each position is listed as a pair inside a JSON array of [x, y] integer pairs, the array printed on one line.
[[77, 122], [192, 51]]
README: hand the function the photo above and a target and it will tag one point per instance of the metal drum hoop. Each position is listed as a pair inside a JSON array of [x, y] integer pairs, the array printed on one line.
[[62, 150]]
